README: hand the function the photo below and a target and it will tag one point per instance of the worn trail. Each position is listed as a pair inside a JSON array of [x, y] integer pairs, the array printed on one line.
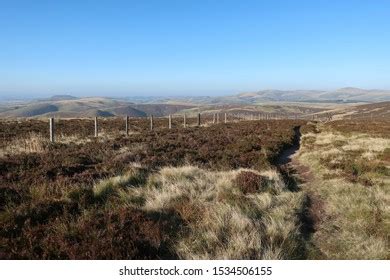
[[294, 175]]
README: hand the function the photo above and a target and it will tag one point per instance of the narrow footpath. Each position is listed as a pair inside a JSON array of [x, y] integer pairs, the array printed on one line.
[[295, 175]]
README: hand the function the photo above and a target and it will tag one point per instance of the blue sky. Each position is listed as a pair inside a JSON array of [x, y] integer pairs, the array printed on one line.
[[198, 47]]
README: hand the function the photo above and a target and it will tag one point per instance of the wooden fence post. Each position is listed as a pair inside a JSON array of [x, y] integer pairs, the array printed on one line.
[[184, 121], [127, 125], [51, 126], [151, 122], [198, 119], [225, 117], [217, 117], [96, 127], [214, 118], [170, 121]]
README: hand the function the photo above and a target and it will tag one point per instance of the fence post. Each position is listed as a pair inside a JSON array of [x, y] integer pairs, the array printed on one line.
[[225, 117], [96, 127], [184, 120], [198, 119], [214, 118], [170, 121], [127, 125], [51, 127], [217, 117], [151, 122]]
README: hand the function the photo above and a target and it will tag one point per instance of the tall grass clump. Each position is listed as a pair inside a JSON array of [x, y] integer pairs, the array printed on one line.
[[224, 220], [112, 186]]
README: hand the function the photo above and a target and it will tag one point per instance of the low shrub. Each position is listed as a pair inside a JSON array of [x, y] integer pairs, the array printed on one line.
[[250, 182]]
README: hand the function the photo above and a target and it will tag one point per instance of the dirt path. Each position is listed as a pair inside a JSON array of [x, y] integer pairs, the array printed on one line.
[[295, 175], [286, 156]]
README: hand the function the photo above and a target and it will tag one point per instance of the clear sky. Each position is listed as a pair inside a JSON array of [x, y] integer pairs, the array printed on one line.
[[191, 47]]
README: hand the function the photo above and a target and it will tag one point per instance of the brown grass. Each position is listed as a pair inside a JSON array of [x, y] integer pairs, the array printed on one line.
[[352, 186]]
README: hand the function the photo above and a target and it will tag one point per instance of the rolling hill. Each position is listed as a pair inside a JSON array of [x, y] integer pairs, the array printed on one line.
[[70, 107], [341, 96], [284, 102]]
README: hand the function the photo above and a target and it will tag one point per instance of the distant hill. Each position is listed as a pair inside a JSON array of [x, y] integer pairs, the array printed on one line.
[[343, 95], [31, 110], [129, 111], [62, 97], [72, 107], [302, 102], [280, 109], [161, 109]]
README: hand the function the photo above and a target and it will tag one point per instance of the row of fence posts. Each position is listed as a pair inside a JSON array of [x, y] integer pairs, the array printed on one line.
[[216, 119]]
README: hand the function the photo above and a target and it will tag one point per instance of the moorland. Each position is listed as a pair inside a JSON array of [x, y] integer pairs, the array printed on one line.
[[287, 188]]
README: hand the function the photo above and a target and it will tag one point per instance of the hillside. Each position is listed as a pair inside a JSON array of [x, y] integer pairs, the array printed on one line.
[[305, 103], [343, 95], [380, 110], [72, 107], [277, 109]]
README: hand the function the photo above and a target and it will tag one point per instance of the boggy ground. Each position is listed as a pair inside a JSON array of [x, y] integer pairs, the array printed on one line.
[[114, 197]]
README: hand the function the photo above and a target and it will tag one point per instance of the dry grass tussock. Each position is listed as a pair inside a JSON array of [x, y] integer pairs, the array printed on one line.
[[352, 178], [222, 222], [34, 143]]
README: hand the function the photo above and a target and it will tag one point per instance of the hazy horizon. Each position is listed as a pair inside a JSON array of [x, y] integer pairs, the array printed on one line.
[[167, 95]]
